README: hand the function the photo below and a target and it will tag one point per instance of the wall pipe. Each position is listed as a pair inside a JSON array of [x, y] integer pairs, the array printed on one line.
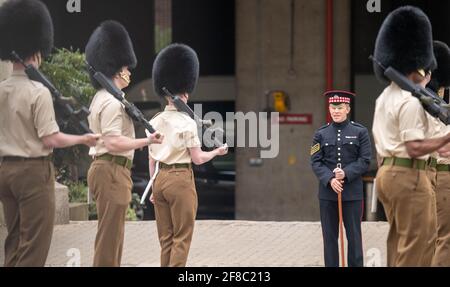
[[329, 53]]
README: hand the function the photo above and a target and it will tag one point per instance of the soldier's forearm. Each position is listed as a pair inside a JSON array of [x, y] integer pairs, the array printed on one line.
[[417, 149], [62, 140], [123, 143]]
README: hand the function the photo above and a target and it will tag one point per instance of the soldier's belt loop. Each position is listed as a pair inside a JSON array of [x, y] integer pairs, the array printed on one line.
[[392, 161]]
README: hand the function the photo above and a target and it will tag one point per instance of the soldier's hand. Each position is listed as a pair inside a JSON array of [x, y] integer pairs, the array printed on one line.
[[444, 151], [156, 138], [152, 198], [339, 173], [223, 150], [336, 185], [91, 139], [445, 154]]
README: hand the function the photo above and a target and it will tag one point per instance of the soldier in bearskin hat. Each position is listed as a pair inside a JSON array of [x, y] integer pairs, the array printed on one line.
[[437, 128], [402, 133], [28, 134], [176, 68], [110, 51], [440, 176]]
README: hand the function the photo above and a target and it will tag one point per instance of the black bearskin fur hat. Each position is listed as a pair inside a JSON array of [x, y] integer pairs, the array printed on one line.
[[26, 27], [177, 68], [405, 42], [441, 76], [109, 49]]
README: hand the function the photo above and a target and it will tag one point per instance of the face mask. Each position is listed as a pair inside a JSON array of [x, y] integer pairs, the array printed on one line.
[[125, 77]]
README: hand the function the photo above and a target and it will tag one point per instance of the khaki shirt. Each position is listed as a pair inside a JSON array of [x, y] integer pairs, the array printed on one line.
[[444, 130], [26, 116], [108, 118], [399, 118], [180, 134], [436, 131]]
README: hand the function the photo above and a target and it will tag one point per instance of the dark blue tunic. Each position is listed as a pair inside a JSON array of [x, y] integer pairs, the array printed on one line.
[[347, 143]]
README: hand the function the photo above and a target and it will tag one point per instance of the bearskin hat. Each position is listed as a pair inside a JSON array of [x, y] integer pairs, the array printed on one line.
[[405, 42], [26, 28], [109, 49], [441, 76], [176, 68]]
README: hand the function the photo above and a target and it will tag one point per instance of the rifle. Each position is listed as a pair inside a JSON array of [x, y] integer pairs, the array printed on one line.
[[64, 110], [431, 102], [130, 108], [183, 107]]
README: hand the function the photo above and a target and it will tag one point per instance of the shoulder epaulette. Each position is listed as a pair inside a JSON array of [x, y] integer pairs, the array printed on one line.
[[357, 124], [324, 126]]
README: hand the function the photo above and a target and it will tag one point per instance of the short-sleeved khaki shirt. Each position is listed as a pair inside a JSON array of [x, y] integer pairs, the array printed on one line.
[[109, 118], [26, 116], [180, 134], [444, 129], [436, 131], [399, 118]]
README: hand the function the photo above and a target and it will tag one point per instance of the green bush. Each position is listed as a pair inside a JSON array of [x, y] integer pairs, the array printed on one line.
[[93, 211], [66, 69], [131, 215], [78, 191]]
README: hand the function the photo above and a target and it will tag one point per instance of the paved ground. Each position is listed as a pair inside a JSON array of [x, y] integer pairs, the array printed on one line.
[[215, 243]]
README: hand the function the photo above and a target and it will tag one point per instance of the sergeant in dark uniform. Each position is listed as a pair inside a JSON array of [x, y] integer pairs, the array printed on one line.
[[347, 144]]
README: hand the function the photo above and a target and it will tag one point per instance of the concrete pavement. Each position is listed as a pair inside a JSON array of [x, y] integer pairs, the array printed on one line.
[[215, 243]]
